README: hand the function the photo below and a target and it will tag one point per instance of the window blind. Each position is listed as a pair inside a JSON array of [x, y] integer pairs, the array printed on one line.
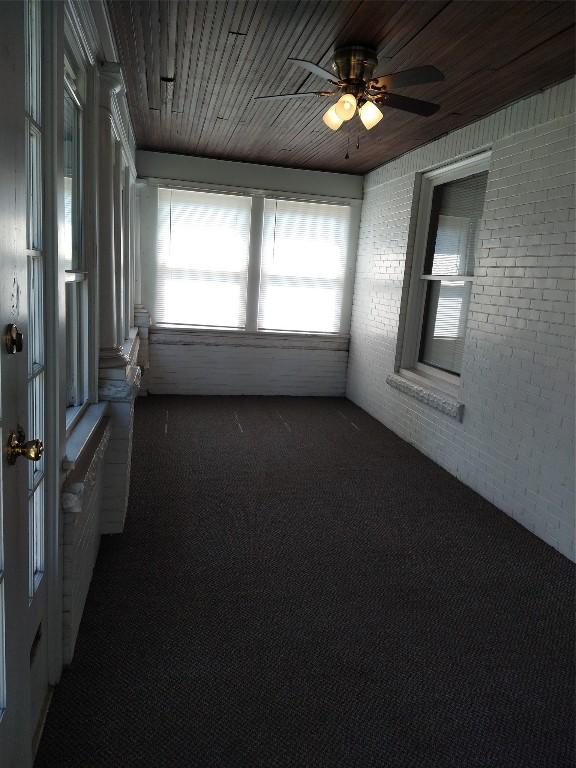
[[454, 225], [202, 264], [453, 238], [445, 324], [303, 266]]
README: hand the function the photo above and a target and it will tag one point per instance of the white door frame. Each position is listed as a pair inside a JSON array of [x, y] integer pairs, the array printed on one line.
[[53, 84], [16, 727]]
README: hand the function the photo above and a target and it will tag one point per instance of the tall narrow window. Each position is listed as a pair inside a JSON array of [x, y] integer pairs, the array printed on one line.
[[303, 267], [36, 337], [71, 247], [203, 244], [448, 269]]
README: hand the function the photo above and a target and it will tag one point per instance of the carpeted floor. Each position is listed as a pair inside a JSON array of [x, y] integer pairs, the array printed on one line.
[[298, 588]]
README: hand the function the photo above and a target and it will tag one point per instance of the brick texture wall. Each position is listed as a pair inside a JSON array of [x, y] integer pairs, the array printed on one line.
[[193, 363], [515, 445]]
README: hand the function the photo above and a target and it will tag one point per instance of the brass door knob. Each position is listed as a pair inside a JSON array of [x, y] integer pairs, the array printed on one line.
[[18, 446], [14, 339]]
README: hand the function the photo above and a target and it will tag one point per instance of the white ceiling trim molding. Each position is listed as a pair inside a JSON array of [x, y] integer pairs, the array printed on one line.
[[228, 176], [90, 23], [123, 129], [81, 23], [229, 189]]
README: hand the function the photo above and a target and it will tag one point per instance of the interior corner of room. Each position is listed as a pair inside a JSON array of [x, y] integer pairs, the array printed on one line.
[[287, 299]]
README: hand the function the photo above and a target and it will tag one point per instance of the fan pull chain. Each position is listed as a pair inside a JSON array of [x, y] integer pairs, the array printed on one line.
[[347, 155], [358, 142]]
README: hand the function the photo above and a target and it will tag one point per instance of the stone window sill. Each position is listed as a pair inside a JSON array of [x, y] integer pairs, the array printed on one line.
[[433, 392]]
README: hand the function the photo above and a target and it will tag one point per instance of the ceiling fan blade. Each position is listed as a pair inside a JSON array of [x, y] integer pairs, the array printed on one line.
[[282, 96], [315, 69], [415, 76], [418, 107]]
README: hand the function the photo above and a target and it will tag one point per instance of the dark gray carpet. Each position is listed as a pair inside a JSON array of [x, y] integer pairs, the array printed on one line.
[[297, 587]]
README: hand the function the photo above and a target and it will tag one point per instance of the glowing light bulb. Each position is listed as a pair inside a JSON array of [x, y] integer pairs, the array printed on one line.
[[331, 119], [370, 115], [345, 107]]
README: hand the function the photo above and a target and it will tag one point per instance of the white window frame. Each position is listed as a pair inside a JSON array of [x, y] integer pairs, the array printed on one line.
[[255, 252], [410, 366], [76, 275]]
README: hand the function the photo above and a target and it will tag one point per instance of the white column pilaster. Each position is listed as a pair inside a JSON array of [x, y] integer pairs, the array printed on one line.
[[128, 252], [119, 244], [110, 350], [142, 319], [119, 373]]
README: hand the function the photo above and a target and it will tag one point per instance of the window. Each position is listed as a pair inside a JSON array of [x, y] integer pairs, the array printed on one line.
[[289, 277], [451, 205], [304, 255], [203, 243], [76, 282], [448, 268]]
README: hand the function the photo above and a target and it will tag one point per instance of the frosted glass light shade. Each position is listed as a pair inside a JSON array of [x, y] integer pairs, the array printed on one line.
[[346, 106], [331, 119], [370, 115]]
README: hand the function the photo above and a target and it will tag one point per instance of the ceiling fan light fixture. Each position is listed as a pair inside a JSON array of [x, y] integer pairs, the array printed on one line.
[[345, 107], [331, 119], [370, 115]]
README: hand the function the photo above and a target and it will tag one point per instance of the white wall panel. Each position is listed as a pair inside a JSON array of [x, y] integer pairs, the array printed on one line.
[[196, 363], [204, 171]]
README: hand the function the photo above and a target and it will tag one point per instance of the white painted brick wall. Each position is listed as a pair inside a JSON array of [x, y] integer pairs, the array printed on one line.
[[81, 510], [117, 467], [196, 367], [515, 445]]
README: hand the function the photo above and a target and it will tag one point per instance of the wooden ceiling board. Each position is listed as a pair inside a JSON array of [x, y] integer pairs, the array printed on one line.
[[289, 28], [312, 31], [222, 53], [288, 118]]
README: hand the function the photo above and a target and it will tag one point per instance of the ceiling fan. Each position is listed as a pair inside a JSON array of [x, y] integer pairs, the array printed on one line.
[[353, 77]]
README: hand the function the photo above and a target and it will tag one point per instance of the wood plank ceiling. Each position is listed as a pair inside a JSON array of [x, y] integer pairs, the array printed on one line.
[[222, 54]]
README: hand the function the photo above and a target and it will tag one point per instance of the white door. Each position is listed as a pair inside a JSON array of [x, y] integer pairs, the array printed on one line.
[[23, 580]]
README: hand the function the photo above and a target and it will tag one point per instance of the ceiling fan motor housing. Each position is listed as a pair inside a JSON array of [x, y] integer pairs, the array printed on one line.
[[354, 64]]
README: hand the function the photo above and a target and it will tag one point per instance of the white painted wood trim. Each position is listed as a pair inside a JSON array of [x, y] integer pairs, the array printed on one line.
[[254, 262], [255, 178], [423, 191], [230, 189], [55, 335], [185, 335], [350, 273], [82, 433]]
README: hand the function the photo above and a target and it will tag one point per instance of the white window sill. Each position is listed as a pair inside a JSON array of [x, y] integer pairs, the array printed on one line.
[[434, 391], [73, 416], [182, 334], [79, 436]]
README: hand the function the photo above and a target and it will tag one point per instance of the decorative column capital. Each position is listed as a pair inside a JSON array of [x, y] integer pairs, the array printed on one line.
[[143, 321], [111, 82], [142, 317], [120, 390]]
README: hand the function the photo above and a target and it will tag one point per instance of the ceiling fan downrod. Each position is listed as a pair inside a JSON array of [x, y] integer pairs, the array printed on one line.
[[354, 66]]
